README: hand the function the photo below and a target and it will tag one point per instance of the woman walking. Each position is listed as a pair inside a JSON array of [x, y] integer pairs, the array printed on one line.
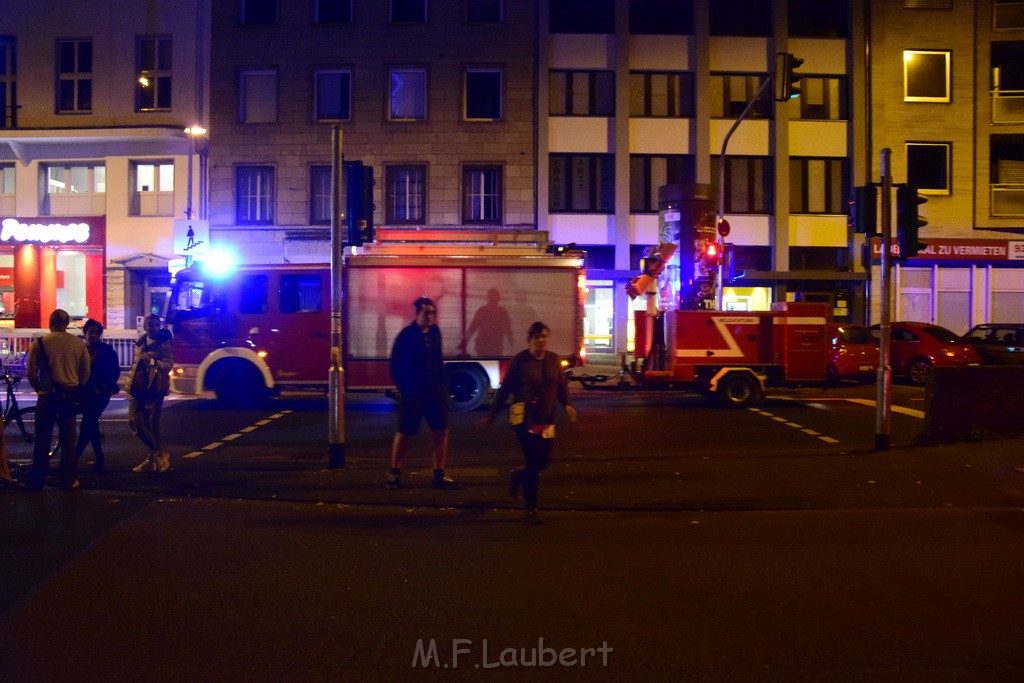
[[149, 383], [102, 384], [536, 382]]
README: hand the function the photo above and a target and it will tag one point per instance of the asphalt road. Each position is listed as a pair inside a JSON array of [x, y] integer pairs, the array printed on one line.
[[681, 542]]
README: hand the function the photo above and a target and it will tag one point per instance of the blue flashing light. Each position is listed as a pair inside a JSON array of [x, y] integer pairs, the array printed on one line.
[[220, 262]]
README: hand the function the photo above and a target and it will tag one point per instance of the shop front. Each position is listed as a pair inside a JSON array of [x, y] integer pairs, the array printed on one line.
[[51, 262]]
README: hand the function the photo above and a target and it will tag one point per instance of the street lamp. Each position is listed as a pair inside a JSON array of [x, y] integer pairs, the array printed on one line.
[[192, 131]]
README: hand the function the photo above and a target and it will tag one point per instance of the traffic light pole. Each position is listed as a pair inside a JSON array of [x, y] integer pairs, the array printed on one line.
[[883, 407], [720, 270], [336, 371]]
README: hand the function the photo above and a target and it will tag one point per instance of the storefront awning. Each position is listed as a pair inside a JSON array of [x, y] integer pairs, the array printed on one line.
[[26, 145]]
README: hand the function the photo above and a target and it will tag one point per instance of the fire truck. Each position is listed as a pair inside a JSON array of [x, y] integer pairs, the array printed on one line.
[[733, 355], [259, 330]]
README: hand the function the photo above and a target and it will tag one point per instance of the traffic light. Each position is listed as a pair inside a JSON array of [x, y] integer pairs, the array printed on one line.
[[787, 81], [712, 255], [864, 210], [908, 222], [359, 209]]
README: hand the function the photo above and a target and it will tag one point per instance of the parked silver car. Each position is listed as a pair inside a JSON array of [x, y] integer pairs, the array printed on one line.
[[998, 343]]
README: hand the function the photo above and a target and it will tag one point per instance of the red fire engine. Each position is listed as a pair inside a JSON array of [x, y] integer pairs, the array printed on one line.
[[261, 329], [733, 355]]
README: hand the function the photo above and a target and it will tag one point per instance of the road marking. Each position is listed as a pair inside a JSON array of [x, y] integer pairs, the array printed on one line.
[[211, 446], [263, 422], [193, 454], [794, 425], [896, 409], [230, 437], [246, 430]]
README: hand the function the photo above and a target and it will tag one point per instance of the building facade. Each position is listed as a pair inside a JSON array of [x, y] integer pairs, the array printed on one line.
[[94, 160]]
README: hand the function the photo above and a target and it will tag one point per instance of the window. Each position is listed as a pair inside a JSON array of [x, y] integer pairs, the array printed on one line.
[[75, 190], [929, 166], [484, 11], [481, 194], [334, 11], [729, 94], [300, 293], [582, 183], [647, 173], [740, 18], [6, 189], [153, 85], [153, 188], [582, 93], [320, 195], [817, 19], [408, 11], [258, 102], [823, 98], [660, 94], [749, 186], [252, 294], [661, 17], [254, 195], [926, 75], [483, 95], [582, 16], [407, 194], [259, 12], [74, 76], [818, 185], [408, 95], [8, 90], [333, 94]]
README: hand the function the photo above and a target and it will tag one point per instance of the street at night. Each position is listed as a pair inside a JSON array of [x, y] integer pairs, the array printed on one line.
[[693, 542]]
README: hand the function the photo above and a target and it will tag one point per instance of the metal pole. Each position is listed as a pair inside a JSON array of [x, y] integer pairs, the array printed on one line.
[[336, 383], [883, 409], [721, 188], [188, 189]]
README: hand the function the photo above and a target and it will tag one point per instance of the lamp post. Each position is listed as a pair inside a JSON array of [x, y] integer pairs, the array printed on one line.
[[192, 131]]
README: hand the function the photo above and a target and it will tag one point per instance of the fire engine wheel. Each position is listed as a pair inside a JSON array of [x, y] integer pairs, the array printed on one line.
[[467, 388], [918, 370], [240, 388], [738, 390]]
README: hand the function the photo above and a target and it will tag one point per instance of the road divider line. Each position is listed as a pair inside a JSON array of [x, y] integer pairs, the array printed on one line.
[[896, 409], [794, 425], [193, 454], [211, 446], [246, 430], [263, 422], [230, 437]]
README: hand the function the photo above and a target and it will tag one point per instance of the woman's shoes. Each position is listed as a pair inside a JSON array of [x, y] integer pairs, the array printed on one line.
[[149, 464], [163, 461], [158, 461]]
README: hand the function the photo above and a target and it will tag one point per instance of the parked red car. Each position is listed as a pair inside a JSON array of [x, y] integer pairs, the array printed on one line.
[[916, 347], [853, 354]]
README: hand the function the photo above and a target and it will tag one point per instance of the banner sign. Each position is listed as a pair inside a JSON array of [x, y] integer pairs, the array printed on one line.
[[958, 250], [54, 230]]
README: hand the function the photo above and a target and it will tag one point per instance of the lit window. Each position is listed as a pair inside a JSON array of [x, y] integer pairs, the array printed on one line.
[[667, 94], [408, 95], [581, 93], [254, 195], [926, 75], [406, 186], [481, 191], [153, 84], [74, 190], [153, 193]]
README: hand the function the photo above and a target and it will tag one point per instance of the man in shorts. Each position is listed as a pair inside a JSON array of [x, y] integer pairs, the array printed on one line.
[[417, 369]]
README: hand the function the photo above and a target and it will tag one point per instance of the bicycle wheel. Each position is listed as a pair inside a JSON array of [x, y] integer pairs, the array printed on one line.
[[18, 417]]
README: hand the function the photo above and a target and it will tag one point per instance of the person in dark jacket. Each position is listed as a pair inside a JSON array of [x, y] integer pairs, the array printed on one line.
[[102, 384], [154, 351], [534, 378], [417, 369]]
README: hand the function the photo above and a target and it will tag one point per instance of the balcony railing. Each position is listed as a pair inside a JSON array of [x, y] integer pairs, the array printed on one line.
[[1006, 199], [1007, 106]]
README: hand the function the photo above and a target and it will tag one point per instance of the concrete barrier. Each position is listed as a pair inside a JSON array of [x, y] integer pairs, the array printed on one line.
[[974, 404]]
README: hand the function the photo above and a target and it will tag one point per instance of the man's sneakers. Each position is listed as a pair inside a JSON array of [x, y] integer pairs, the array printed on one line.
[[446, 483], [392, 482]]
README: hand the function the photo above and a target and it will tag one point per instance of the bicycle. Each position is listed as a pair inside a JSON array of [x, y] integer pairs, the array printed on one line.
[[12, 412]]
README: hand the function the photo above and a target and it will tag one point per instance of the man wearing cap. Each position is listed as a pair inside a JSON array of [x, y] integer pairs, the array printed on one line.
[[417, 369]]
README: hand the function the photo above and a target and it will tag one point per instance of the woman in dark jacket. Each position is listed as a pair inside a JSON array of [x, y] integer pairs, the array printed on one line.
[[535, 378], [154, 353], [102, 384]]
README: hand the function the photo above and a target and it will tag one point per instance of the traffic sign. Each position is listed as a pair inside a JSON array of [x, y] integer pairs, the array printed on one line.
[[723, 227]]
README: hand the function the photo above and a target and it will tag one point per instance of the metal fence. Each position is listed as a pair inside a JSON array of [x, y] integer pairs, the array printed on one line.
[[14, 345]]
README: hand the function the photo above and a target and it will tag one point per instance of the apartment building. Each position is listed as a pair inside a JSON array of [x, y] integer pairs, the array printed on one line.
[[947, 97], [94, 159], [435, 97]]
